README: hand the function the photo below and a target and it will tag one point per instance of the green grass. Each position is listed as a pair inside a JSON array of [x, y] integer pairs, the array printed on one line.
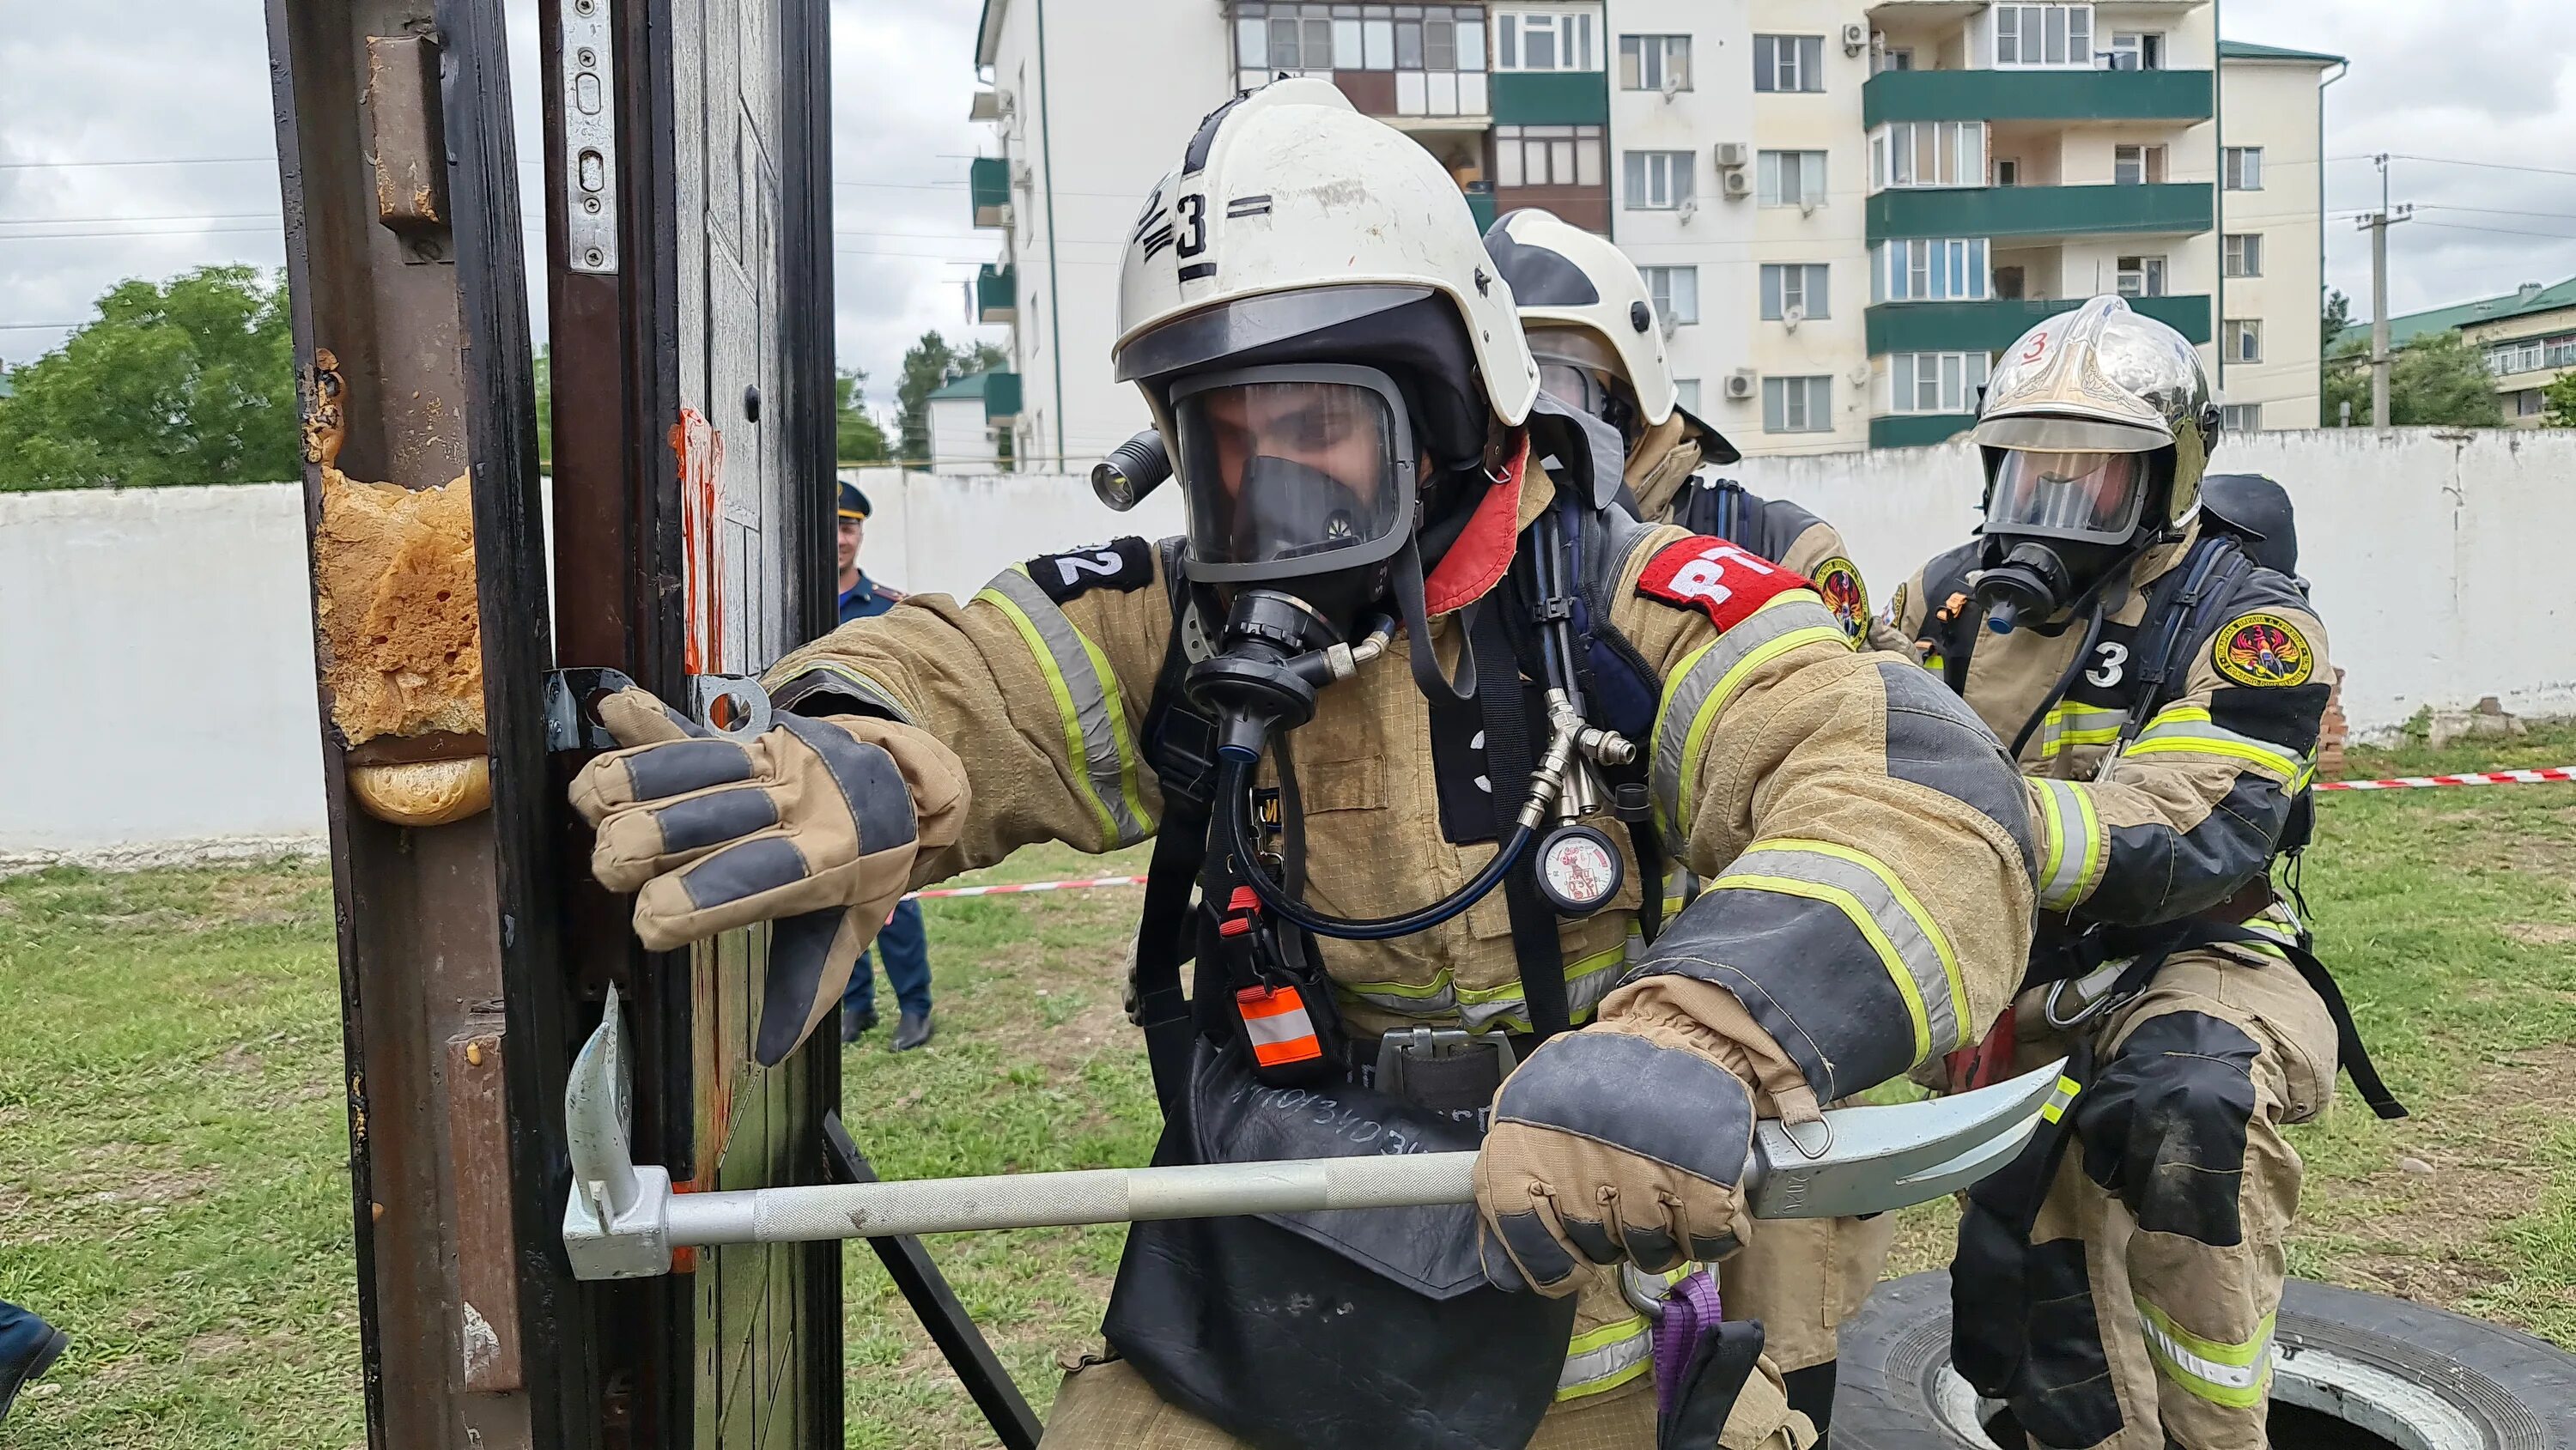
[[173, 1188]]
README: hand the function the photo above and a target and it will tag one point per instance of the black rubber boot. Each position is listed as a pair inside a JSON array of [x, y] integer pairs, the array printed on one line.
[[1811, 1393], [911, 1031]]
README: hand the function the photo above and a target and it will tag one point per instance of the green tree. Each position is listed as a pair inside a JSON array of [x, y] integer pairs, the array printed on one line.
[[190, 381], [929, 365], [2438, 381], [858, 438], [2558, 401], [2336, 316], [2442, 381]]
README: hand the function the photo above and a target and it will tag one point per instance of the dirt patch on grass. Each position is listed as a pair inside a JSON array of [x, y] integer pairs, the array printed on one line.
[[2540, 933]]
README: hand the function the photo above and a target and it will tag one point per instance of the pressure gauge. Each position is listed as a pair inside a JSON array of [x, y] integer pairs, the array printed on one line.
[[1579, 870]]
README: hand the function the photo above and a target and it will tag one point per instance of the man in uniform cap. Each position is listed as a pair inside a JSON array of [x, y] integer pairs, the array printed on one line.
[[907, 945]]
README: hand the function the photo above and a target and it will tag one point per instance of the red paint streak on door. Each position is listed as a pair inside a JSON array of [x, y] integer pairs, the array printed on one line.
[[701, 452]]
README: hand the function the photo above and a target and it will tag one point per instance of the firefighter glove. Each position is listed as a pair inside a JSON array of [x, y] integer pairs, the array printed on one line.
[[1622, 1141], [814, 825]]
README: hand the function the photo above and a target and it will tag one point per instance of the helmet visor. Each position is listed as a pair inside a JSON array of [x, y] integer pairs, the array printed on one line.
[[2067, 495], [1291, 471]]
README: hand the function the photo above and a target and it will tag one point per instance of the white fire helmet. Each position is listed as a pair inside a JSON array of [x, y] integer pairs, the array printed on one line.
[[1574, 286]]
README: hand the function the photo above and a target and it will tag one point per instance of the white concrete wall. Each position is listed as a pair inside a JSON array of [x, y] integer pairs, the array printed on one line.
[[158, 642], [158, 645], [2435, 554], [960, 440]]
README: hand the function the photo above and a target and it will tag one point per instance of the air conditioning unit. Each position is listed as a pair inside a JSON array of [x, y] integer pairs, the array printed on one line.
[[1736, 185], [1740, 383], [1731, 155], [1022, 178], [1790, 317], [1855, 38], [989, 106]]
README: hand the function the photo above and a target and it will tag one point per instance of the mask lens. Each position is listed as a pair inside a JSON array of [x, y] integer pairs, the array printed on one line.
[[1279, 471], [2066, 495], [1568, 383]]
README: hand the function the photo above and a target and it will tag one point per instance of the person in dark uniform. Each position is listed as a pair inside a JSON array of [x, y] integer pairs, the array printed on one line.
[[907, 946]]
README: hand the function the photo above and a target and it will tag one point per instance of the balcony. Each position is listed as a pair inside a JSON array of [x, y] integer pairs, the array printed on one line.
[[1552, 98], [2163, 208], [988, 184], [1994, 326], [1001, 397], [1918, 430], [997, 293], [2036, 95]]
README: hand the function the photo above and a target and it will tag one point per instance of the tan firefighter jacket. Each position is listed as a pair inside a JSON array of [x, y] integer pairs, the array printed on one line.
[[1671, 487], [2185, 814]]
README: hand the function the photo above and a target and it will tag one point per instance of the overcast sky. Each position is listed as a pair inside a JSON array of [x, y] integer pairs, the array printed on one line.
[[185, 82]]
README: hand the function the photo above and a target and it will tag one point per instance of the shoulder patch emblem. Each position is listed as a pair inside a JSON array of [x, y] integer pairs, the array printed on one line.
[[2263, 650], [1839, 582], [1122, 564], [1726, 582]]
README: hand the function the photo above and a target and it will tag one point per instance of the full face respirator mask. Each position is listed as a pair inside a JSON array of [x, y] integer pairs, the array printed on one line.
[[2058, 525]]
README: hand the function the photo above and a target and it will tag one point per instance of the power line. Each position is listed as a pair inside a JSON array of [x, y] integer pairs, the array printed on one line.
[[2456, 161], [43, 326], [64, 221], [2500, 231], [2563, 216], [145, 161]]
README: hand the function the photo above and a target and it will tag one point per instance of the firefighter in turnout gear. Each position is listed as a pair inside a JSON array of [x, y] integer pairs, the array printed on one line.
[[1408, 626], [1597, 335], [2163, 692]]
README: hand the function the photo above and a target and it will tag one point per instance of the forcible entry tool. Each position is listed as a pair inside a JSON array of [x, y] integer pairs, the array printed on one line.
[[623, 1220]]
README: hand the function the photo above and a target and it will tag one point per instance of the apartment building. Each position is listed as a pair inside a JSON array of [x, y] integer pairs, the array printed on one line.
[[2528, 337], [1843, 209]]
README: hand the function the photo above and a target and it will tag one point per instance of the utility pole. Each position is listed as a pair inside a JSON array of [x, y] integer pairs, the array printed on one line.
[[2377, 224]]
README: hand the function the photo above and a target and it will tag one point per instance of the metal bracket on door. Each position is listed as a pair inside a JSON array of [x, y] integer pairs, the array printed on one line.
[[733, 706], [590, 138]]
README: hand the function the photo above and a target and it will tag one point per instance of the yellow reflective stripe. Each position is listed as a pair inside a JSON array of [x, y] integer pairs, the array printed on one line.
[[1907, 922], [2068, 724], [1889, 957], [1588, 979], [2235, 1375], [1100, 755], [2060, 1098], [2071, 863], [2186, 730], [1606, 1358], [1711, 676]]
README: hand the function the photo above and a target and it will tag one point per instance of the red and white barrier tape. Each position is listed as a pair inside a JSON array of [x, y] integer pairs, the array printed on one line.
[[2483, 777], [2401, 782], [1028, 886]]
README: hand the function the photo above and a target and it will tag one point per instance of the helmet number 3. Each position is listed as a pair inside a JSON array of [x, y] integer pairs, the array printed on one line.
[[2114, 664], [1193, 209]]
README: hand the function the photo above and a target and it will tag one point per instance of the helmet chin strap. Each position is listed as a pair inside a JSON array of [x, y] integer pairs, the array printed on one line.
[[1406, 581]]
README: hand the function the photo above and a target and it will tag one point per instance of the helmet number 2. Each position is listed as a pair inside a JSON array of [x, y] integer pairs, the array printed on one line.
[[1193, 209], [2114, 664]]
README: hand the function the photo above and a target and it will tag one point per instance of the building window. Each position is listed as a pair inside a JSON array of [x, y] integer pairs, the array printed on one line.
[[2562, 351], [1929, 269], [1543, 40], [1797, 405], [1892, 60], [1676, 293], [2530, 354], [2137, 165], [1799, 285], [2240, 418], [2242, 168], [2244, 254], [1935, 382], [2008, 284], [1657, 180], [1927, 153], [2243, 340], [1788, 62], [1319, 39], [1686, 394], [2007, 171], [2135, 52], [1792, 178], [2044, 35], [1654, 62], [2142, 277], [1547, 155], [2529, 402]]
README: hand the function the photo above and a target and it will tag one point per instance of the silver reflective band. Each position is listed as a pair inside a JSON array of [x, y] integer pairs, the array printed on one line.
[[1097, 737]]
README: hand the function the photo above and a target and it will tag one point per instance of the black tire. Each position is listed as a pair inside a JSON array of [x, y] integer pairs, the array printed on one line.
[[2357, 1372]]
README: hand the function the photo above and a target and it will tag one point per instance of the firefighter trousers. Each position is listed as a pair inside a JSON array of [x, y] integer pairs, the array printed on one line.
[[1106, 1405], [2169, 1212]]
